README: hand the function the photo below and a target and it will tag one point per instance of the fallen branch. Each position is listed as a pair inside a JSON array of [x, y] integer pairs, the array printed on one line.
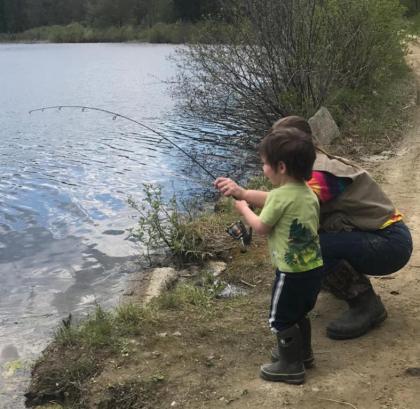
[[339, 401], [248, 284]]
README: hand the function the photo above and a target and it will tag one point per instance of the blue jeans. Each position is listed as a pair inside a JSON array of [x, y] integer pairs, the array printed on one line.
[[378, 252]]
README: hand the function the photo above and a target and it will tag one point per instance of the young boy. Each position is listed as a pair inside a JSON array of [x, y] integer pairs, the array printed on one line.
[[290, 218]]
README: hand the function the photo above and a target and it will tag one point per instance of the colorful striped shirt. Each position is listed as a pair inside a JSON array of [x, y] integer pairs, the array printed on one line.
[[327, 187]]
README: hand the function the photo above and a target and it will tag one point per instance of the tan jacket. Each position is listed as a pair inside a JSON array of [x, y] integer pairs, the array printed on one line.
[[363, 205]]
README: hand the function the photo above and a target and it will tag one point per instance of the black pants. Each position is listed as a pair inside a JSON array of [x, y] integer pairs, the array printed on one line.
[[293, 296]]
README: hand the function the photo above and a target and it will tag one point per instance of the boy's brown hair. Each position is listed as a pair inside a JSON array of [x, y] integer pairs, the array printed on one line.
[[291, 146]]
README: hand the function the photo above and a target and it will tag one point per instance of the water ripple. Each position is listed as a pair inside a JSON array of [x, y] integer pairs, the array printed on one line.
[[66, 175]]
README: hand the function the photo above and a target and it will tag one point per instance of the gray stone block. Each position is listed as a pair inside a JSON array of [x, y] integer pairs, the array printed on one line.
[[324, 127]]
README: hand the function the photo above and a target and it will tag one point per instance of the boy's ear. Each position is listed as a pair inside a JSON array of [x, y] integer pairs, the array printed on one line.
[[281, 168]]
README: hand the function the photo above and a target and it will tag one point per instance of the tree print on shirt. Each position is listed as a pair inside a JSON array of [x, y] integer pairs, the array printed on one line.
[[303, 248]]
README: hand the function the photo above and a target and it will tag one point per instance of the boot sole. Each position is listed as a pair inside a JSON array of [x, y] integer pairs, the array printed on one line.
[[294, 379], [339, 335]]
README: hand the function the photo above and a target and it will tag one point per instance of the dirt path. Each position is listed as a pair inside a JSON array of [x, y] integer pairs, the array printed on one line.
[[369, 372]]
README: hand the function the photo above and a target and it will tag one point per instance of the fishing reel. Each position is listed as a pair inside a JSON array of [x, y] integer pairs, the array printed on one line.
[[238, 231]]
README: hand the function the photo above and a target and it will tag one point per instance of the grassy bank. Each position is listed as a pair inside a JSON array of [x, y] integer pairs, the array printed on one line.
[[151, 356], [176, 33], [188, 345]]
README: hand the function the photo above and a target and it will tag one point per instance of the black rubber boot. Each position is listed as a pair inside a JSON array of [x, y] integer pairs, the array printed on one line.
[[365, 311], [289, 367], [307, 353]]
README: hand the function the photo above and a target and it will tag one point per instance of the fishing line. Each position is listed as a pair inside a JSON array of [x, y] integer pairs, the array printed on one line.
[[237, 229], [116, 115]]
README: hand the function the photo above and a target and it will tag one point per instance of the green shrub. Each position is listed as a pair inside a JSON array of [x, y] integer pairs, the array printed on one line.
[[376, 115], [289, 56], [188, 235]]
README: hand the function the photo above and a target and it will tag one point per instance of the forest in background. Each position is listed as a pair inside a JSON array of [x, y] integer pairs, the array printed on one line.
[[20, 15], [17, 16], [155, 21]]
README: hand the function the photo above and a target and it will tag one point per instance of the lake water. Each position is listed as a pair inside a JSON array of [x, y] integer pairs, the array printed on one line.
[[65, 179]]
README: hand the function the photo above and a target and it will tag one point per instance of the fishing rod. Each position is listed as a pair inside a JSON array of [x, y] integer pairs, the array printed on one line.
[[117, 115], [237, 230]]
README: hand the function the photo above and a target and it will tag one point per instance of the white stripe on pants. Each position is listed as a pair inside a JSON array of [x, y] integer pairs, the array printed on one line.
[[275, 300]]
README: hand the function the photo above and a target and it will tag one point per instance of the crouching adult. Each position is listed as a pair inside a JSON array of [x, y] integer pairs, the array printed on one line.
[[361, 234]]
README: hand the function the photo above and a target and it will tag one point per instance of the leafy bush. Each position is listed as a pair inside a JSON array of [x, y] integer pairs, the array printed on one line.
[[286, 56], [189, 235], [375, 117]]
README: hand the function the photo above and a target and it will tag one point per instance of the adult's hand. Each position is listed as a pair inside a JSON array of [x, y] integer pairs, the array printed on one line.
[[229, 188]]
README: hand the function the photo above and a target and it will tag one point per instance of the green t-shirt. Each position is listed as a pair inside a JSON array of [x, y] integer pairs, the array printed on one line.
[[293, 212]]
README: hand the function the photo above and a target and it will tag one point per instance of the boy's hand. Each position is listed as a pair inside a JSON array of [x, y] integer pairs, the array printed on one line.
[[251, 218], [228, 187], [240, 205]]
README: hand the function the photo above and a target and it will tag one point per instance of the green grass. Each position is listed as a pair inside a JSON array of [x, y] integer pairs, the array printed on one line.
[[81, 349], [104, 329], [375, 118], [130, 319], [413, 24]]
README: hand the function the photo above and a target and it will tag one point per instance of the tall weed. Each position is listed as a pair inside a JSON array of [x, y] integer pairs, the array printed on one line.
[[190, 236]]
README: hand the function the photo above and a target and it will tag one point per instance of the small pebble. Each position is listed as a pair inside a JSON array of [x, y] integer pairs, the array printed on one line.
[[413, 371]]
